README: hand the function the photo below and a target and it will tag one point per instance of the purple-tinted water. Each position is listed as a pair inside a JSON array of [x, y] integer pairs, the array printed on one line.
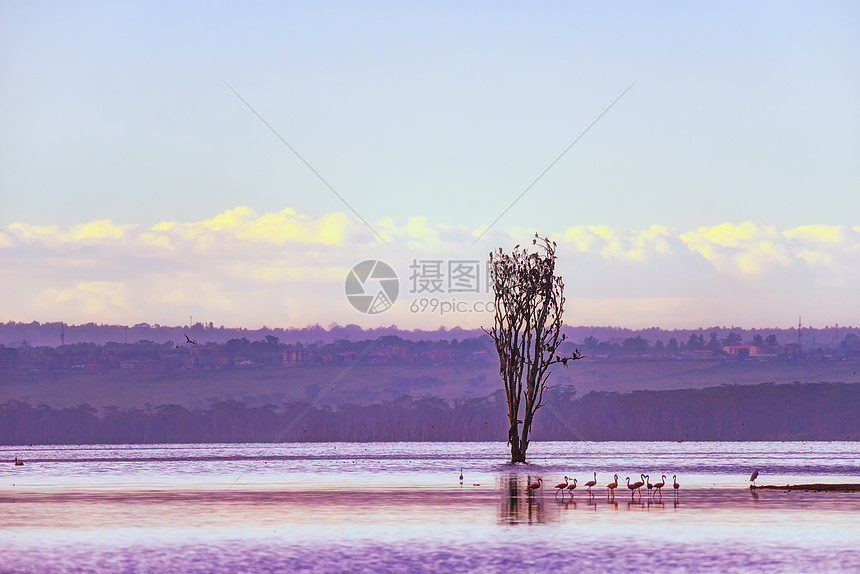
[[337, 507]]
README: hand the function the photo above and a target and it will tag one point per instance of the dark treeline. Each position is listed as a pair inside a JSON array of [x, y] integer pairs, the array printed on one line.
[[57, 334], [821, 411]]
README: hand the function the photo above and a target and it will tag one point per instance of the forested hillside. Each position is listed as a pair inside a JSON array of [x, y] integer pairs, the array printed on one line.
[[822, 411]]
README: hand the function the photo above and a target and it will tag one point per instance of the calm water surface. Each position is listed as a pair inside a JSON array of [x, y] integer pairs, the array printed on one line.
[[333, 507]]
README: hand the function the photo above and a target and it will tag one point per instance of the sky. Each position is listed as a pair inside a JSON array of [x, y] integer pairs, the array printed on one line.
[[232, 163]]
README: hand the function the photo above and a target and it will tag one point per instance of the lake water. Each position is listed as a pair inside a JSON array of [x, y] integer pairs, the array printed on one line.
[[400, 507]]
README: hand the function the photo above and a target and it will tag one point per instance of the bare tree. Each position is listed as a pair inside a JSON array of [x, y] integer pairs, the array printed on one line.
[[529, 303]]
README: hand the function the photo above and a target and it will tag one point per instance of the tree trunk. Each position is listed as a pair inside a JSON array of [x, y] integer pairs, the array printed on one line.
[[517, 454]]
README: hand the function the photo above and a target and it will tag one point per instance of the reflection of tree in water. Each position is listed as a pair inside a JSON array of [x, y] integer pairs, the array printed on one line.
[[509, 509], [521, 507]]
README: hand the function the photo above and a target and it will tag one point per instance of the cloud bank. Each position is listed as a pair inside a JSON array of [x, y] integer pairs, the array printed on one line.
[[243, 268]]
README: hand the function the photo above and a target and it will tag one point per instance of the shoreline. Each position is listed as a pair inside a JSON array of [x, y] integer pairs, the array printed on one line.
[[811, 487]]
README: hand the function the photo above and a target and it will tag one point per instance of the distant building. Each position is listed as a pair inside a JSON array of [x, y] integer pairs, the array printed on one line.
[[203, 357], [296, 358], [742, 351]]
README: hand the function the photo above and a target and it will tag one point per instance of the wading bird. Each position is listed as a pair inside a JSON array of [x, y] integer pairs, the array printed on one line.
[[659, 485], [572, 486], [535, 485], [18, 462], [647, 478], [461, 476], [675, 484], [634, 487], [612, 486], [754, 476], [591, 483], [561, 486]]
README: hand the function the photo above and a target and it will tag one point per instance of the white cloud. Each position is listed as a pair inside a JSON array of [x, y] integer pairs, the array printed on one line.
[[753, 248], [285, 268]]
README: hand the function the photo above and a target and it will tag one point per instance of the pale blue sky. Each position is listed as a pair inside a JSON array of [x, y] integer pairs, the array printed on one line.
[[744, 111], [741, 112]]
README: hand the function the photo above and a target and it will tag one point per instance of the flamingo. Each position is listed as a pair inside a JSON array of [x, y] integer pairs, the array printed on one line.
[[612, 486], [634, 487], [659, 485], [675, 484], [754, 476], [591, 483], [535, 485], [18, 462], [572, 486], [647, 478], [461, 476], [562, 485]]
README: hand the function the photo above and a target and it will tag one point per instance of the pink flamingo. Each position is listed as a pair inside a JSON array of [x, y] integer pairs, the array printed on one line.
[[634, 487], [659, 485], [561, 486], [612, 486], [591, 483]]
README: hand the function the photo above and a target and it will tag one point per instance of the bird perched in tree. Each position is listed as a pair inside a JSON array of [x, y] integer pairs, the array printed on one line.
[[754, 476]]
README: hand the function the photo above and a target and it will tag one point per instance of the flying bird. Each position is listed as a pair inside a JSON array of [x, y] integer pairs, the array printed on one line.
[[188, 340]]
